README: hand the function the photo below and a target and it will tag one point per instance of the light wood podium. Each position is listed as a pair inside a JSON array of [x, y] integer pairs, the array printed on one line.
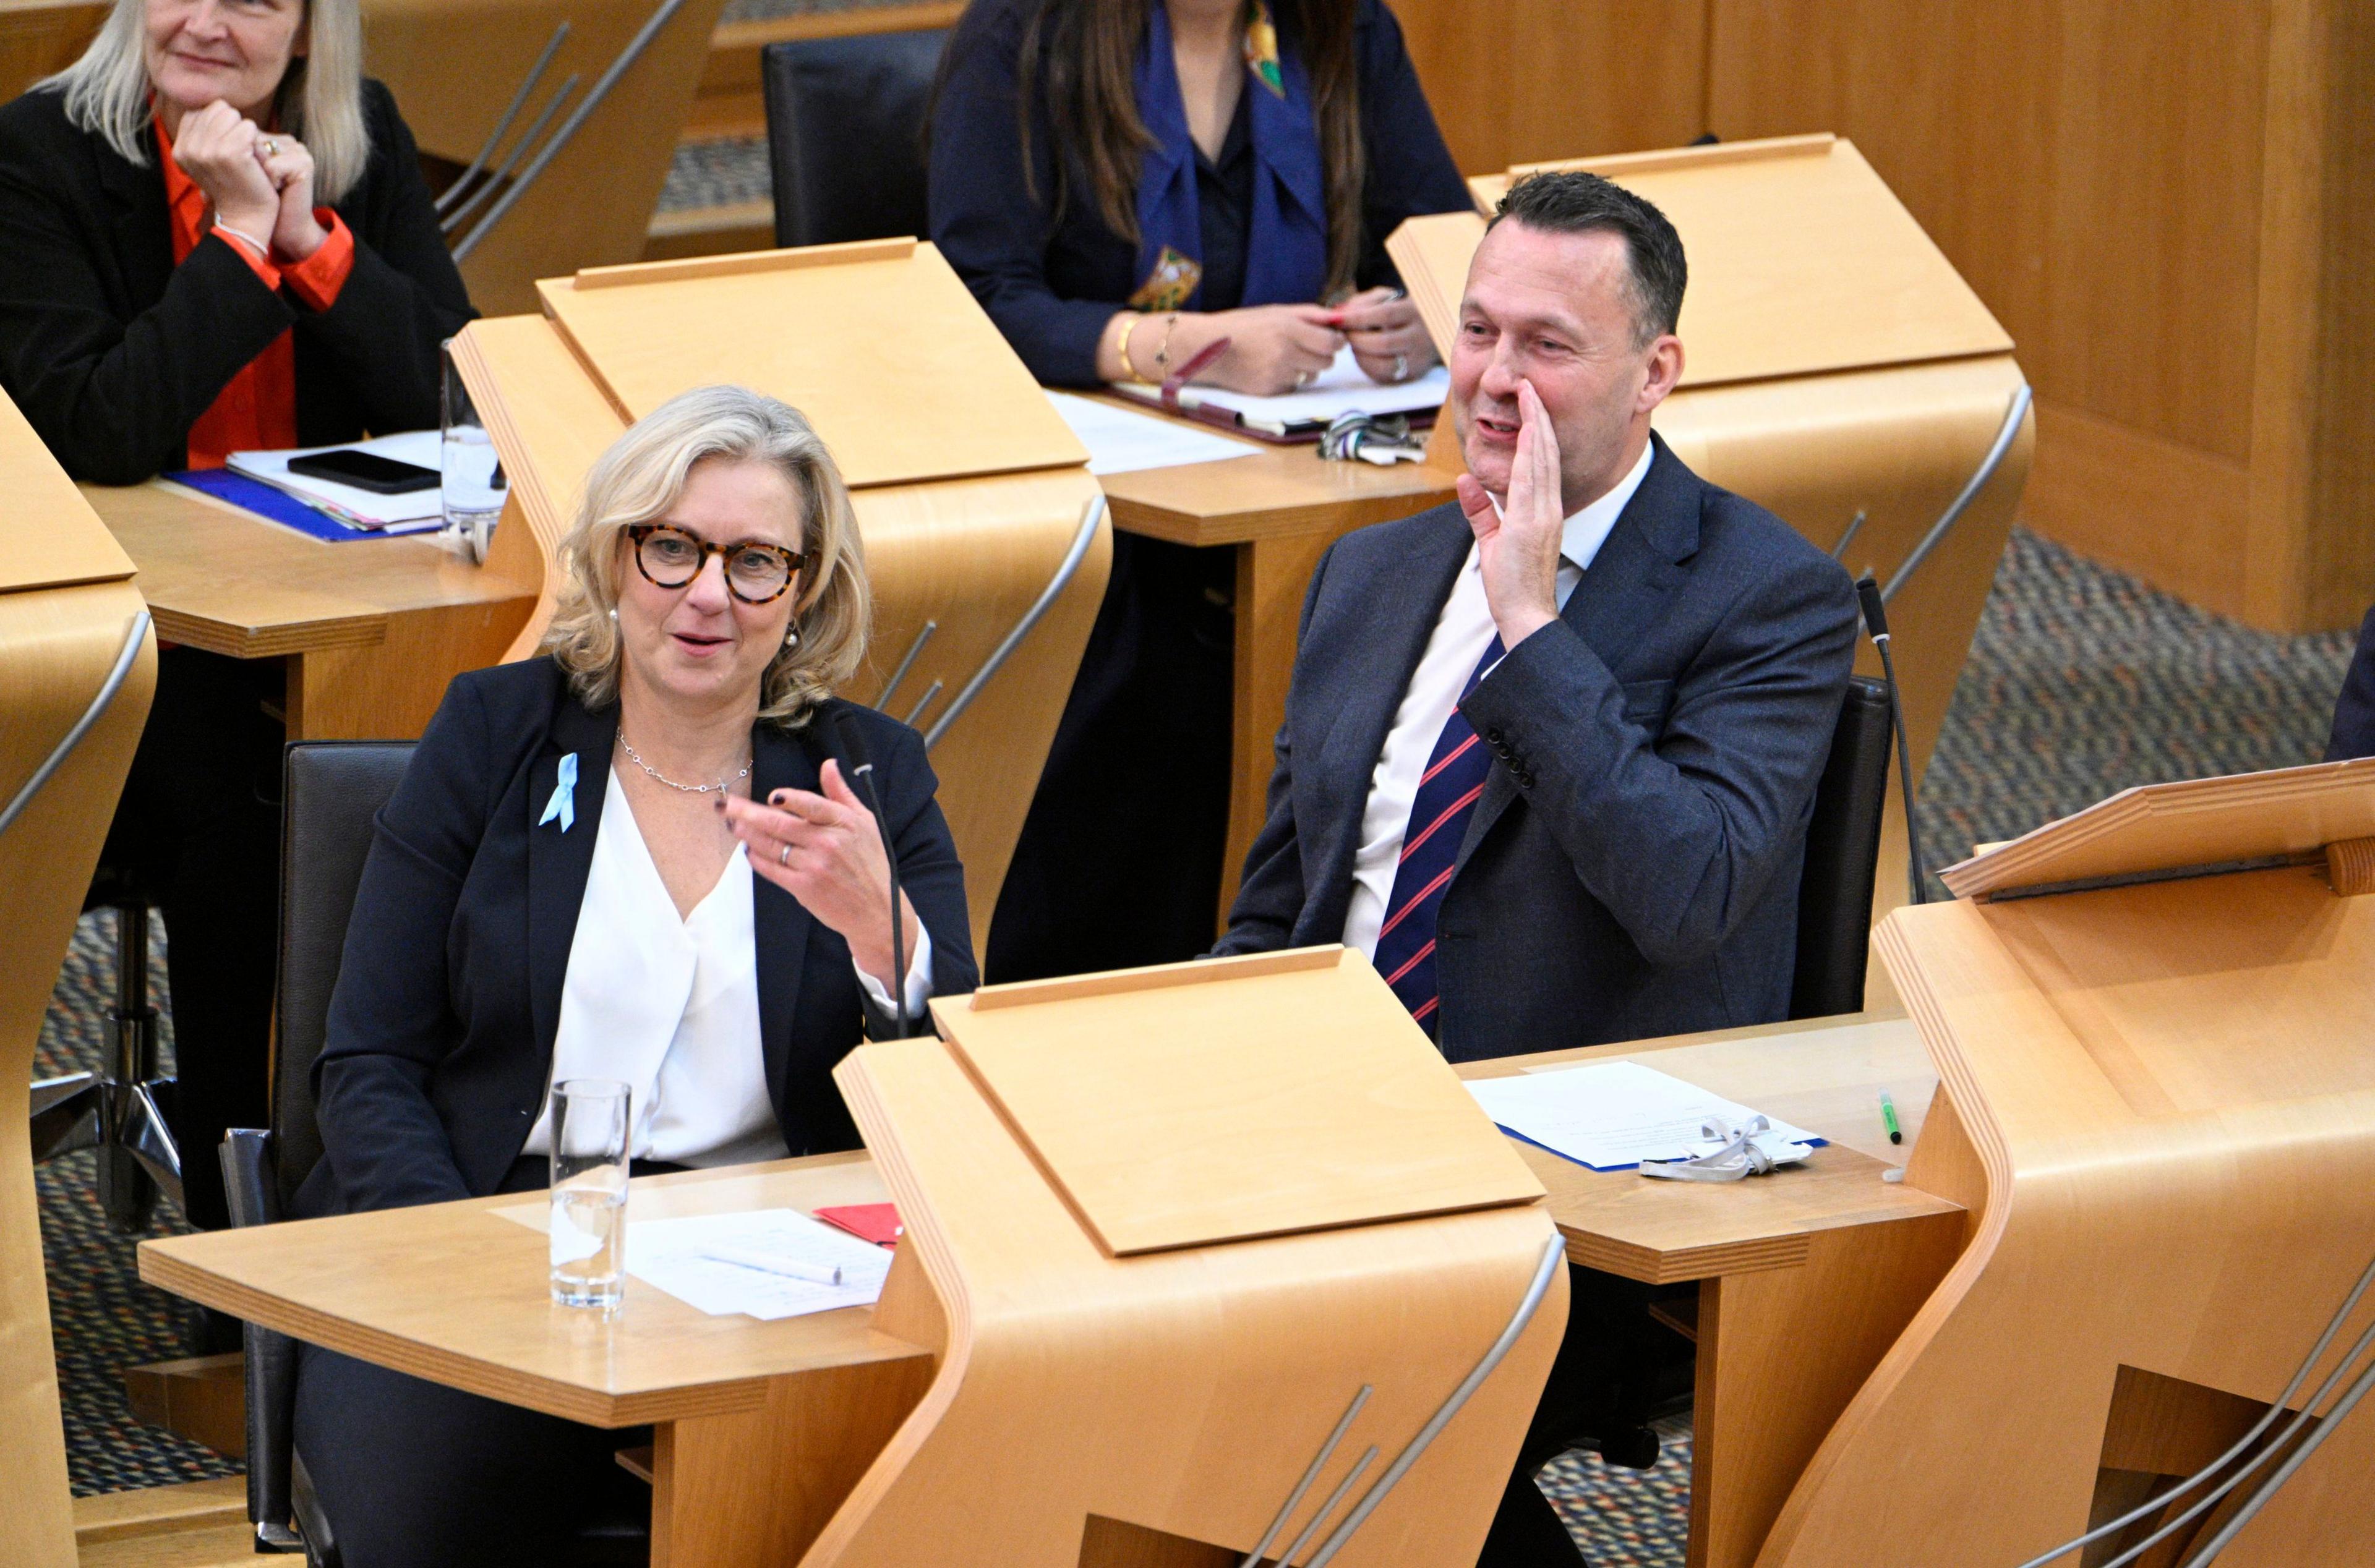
[[1835, 366], [983, 531], [2154, 1024], [77, 659], [1198, 1261]]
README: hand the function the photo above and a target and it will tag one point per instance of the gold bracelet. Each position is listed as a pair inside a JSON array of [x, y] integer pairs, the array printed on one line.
[[1129, 326], [1163, 352]]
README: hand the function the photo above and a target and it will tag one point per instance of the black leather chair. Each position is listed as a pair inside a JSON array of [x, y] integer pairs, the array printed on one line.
[[333, 792], [846, 134], [1843, 855]]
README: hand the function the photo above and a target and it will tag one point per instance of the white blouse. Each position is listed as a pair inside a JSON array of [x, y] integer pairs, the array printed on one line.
[[670, 1007]]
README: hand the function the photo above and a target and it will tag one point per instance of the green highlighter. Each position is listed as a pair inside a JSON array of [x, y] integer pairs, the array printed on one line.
[[1888, 1118]]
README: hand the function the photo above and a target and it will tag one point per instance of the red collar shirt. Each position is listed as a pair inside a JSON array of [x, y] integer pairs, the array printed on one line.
[[257, 412]]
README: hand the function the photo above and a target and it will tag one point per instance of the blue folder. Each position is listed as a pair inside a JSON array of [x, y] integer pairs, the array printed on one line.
[[254, 495]]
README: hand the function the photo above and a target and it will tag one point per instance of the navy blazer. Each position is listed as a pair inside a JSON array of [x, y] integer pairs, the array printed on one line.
[[113, 352], [1632, 867], [2354, 710], [1051, 282], [440, 1033]]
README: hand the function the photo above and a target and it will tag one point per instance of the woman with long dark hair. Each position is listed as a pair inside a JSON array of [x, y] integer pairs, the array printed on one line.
[[1122, 183]]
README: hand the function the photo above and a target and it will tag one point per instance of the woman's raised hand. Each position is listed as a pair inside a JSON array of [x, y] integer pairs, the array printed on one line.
[[295, 233], [826, 851], [217, 149]]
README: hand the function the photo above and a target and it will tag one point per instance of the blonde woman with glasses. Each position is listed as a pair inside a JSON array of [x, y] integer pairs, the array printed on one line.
[[214, 236], [634, 858]]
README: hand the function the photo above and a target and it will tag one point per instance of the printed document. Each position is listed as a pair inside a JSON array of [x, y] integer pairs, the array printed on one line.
[[1612, 1115], [675, 1257]]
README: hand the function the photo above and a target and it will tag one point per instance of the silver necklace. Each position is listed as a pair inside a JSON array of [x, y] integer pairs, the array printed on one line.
[[690, 789]]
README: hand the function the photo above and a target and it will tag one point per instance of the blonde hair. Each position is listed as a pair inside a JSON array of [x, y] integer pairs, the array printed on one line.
[[319, 100], [639, 477]]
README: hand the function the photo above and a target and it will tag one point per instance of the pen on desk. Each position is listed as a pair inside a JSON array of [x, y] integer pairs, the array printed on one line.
[[768, 1263], [1888, 1118]]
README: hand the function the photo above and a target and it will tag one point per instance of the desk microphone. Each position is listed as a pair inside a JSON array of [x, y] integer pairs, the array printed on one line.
[[859, 768], [1875, 621]]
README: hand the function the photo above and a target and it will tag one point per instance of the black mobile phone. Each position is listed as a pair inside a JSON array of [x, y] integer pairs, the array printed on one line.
[[365, 471]]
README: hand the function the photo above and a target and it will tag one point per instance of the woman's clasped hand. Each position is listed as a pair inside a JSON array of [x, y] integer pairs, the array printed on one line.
[[1281, 348], [258, 182]]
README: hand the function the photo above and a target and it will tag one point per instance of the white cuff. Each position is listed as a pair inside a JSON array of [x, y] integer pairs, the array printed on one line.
[[919, 978]]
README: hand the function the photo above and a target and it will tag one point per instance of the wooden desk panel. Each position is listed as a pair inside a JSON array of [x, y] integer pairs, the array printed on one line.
[[373, 630], [1808, 1278], [456, 1293]]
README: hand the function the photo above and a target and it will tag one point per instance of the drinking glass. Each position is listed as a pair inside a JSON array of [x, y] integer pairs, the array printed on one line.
[[589, 1192], [474, 486]]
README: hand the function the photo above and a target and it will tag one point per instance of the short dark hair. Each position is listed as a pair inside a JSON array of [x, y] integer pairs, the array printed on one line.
[[1571, 202]]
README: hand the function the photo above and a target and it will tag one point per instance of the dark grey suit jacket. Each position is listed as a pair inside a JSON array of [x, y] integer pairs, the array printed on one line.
[[1632, 867]]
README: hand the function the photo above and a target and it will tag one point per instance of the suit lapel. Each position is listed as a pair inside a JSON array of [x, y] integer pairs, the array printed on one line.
[[1406, 607], [142, 231], [779, 926], [1628, 582], [560, 861]]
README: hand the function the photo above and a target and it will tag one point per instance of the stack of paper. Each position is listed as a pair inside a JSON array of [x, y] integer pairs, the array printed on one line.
[[411, 512], [688, 1258], [1122, 442], [1612, 1115], [1342, 388]]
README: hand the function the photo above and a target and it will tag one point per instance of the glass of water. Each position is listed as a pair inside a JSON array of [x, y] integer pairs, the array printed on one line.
[[589, 1192], [474, 485]]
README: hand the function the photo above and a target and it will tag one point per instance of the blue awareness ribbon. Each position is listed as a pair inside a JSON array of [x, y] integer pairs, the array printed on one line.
[[564, 802]]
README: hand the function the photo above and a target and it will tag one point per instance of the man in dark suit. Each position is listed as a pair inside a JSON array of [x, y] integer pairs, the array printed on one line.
[[2354, 710], [1550, 751]]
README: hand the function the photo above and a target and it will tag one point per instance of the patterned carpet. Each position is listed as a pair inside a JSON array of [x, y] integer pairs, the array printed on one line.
[[2081, 683]]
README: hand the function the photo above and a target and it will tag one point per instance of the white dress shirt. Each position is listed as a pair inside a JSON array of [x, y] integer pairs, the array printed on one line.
[[1463, 631], [669, 1006]]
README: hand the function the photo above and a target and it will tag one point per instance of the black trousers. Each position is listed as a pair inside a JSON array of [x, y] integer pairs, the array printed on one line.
[[1599, 1380], [199, 827], [416, 1475], [1119, 861]]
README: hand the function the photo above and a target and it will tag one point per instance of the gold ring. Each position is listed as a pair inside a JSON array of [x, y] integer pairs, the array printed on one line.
[[271, 148], [784, 855]]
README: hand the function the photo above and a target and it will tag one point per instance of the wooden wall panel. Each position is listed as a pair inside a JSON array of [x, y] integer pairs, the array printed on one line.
[[42, 37], [2093, 171], [1521, 81]]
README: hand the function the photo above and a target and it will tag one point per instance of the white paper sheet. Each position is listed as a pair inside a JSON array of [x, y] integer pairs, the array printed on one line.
[[1611, 1115], [669, 1255], [1122, 442], [404, 514], [1342, 387]]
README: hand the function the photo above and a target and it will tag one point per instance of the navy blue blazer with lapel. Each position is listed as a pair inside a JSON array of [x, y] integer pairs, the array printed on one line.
[[1632, 867], [439, 1032]]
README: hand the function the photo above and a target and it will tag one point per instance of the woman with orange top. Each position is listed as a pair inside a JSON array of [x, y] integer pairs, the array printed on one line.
[[214, 237]]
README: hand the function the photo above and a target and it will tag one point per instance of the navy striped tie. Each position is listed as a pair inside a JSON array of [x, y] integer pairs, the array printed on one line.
[[1447, 797]]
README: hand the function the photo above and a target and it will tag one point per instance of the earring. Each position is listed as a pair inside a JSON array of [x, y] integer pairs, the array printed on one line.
[[614, 612], [793, 639]]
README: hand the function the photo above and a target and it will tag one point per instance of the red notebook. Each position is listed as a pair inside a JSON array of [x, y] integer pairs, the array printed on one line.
[[875, 1223]]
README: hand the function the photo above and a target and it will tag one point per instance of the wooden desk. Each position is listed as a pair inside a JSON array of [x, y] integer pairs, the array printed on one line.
[[1809, 1277], [371, 630], [1279, 509]]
